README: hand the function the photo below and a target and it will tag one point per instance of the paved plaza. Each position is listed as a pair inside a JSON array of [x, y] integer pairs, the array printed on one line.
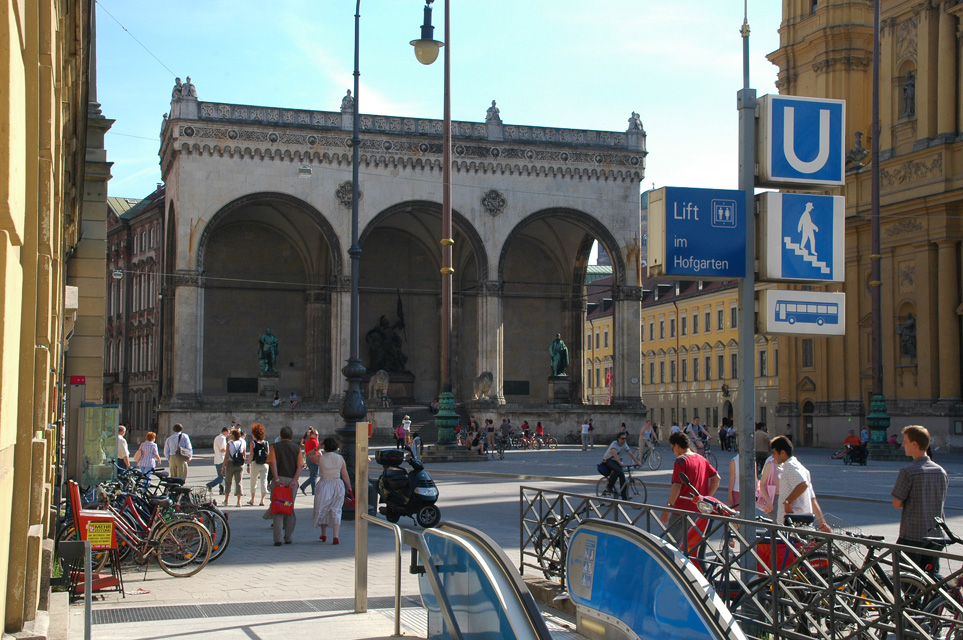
[[305, 589]]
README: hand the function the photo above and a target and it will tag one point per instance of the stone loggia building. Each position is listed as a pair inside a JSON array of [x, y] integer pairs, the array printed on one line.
[[257, 228]]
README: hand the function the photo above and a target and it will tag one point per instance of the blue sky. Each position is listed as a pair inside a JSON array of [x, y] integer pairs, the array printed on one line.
[[562, 63]]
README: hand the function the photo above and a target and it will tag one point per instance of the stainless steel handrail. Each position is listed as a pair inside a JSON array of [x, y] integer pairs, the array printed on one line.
[[363, 605]]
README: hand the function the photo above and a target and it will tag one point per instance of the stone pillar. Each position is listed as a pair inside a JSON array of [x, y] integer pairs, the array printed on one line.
[[926, 76], [461, 387], [949, 321], [317, 341], [628, 344], [491, 337], [573, 328], [946, 84], [188, 338], [340, 337]]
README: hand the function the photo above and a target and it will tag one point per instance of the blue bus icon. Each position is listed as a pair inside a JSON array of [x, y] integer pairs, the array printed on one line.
[[819, 313]]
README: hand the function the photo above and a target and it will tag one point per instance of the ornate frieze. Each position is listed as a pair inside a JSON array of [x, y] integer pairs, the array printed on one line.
[[905, 33], [912, 171], [906, 225]]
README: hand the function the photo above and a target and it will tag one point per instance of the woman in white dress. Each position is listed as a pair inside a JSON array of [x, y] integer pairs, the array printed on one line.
[[330, 490]]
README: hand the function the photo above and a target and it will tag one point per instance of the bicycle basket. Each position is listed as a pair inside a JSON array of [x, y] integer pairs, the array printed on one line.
[[202, 496]]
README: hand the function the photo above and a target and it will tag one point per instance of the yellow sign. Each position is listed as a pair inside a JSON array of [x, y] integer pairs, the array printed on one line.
[[100, 535]]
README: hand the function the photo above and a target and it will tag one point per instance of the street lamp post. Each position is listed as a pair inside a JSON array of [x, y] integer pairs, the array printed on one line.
[[426, 50]]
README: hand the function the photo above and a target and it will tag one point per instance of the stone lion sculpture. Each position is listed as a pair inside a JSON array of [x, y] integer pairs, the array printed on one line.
[[378, 385], [483, 385]]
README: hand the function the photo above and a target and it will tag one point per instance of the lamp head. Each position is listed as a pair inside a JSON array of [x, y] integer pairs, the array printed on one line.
[[426, 48]]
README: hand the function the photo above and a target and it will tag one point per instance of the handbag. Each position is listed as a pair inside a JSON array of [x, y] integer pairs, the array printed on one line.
[[282, 502], [184, 452], [349, 501]]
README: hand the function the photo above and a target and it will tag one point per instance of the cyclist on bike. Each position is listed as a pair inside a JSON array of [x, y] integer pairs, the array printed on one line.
[[646, 436], [614, 463], [698, 434]]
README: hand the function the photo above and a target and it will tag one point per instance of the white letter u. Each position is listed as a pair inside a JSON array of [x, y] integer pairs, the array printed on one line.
[[789, 142]]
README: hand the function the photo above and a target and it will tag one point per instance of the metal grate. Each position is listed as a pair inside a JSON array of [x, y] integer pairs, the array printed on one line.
[[195, 611]]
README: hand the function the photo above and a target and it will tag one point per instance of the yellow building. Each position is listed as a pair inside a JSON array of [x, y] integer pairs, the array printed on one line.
[[44, 48], [826, 51], [690, 350], [599, 341]]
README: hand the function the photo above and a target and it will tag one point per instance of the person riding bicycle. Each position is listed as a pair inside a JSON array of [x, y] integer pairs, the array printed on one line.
[[698, 434], [614, 463], [646, 437]]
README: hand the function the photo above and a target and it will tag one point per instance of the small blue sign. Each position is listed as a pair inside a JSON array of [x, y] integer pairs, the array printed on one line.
[[805, 141], [807, 237], [705, 233]]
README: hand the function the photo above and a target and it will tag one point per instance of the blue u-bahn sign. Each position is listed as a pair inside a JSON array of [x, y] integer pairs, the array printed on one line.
[[801, 141]]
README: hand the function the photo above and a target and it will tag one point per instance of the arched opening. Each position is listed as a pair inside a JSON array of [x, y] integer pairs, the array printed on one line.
[[807, 410]]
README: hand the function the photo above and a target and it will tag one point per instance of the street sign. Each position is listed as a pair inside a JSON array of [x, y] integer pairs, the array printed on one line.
[[813, 313], [801, 237], [697, 234], [801, 141]]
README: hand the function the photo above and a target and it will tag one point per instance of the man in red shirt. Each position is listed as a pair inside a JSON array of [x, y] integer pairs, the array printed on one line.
[[703, 476]]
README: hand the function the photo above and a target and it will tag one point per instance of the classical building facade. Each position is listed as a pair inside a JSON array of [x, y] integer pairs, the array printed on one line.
[[690, 352], [49, 168], [826, 51], [599, 341], [132, 350], [257, 228]]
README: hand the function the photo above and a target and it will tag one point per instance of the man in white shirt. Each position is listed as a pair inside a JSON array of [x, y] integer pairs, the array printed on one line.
[[795, 485], [220, 443], [585, 435], [178, 451], [123, 451], [614, 462]]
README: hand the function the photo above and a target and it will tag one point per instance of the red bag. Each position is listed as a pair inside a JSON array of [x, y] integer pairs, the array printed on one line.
[[282, 502], [349, 501]]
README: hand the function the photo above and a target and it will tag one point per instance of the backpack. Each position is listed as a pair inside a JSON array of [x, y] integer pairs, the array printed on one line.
[[260, 452], [238, 456]]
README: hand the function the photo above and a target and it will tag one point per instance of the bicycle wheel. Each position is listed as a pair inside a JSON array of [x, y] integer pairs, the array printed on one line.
[[637, 490], [217, 525], [943, 620], [601, 487], [183, 548], [500, 449], [551, 443], [711, 457], [551, 555], [655, 459]]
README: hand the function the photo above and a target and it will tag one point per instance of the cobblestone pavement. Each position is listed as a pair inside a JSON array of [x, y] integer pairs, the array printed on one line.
[[483, 494]]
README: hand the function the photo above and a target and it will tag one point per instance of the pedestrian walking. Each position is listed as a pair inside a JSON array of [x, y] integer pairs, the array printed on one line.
[[400, 435], [703, 477], [334, 482], [178, 451], [234, 454], [920, 493], [586, 434], [220, 444], [285, 460], [310, 445], [123, 451], [406, 425], [146, 455], [761, 445], [257, 466], [796, 493]]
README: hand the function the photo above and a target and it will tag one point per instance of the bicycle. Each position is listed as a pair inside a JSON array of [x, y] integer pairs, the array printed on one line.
[[634, 487], [500, 444], [573, 438], [945, 615], [551, 544], [707, 454], [649, 456], [546, 440]]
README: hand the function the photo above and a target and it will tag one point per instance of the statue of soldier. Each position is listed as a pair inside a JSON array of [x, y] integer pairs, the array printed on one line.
[[267, 351], [558, 353]]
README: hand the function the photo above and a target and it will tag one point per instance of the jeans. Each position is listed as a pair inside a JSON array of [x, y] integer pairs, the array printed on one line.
[[585, 441], [219, 469], [312, 479], [616, 473]]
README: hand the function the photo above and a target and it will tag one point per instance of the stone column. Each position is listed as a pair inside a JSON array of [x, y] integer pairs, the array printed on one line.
[[317, 307], [491, 337], [340, 336], [188, 330], [628, 344], [927, 73], [949, 321], [573, 328], [946, 84]]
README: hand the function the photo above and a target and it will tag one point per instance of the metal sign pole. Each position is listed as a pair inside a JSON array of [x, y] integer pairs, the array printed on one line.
[[745, 425]]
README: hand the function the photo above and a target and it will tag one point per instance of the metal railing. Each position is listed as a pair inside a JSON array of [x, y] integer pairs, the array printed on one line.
[[779, 582]]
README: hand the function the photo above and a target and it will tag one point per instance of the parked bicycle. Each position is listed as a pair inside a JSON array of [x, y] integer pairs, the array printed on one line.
[[551, 543], [573, 438]]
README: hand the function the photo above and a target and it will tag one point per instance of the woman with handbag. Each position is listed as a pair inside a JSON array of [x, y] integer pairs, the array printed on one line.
[[329, 498], [147, 456]]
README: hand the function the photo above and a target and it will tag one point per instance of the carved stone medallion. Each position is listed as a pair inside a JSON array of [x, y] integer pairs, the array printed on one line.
[[344, 191], [494, 202]]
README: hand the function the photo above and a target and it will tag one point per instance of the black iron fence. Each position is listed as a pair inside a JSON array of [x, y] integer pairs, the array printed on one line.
[[780, 582]]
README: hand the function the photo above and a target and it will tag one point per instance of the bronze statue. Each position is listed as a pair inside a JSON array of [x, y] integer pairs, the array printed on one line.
[[559, 356], [267, 351], [907, 336], [384, 347]]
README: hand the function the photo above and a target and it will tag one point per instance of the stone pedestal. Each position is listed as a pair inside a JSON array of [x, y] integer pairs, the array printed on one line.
[[558, 389], [267, 385], [401, 387]]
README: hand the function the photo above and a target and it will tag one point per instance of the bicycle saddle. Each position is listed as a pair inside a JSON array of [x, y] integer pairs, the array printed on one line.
[[172, 482], [793, 519], [160, 473], [160, 501]]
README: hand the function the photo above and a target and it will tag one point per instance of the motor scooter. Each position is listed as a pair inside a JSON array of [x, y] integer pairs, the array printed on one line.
[[406, 493]]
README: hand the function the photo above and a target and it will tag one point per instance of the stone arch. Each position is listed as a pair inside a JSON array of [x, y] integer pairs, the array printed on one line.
[[267, 197]]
